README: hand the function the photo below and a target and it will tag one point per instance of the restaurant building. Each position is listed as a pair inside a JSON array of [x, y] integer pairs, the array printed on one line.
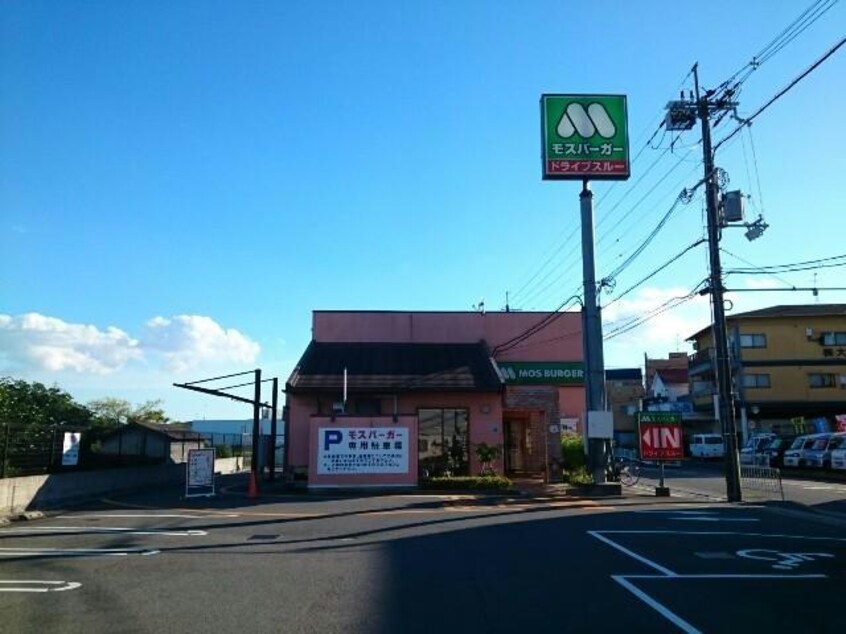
[[383, 398]]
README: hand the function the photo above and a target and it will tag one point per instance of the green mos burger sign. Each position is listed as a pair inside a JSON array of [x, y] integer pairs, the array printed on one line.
[[542, 373], [584, 137]]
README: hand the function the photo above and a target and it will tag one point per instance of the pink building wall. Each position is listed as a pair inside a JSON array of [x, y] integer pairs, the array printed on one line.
[[560, 340]]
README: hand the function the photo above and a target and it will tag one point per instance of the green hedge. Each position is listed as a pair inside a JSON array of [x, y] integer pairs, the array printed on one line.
[[468, 483], [572, 452]]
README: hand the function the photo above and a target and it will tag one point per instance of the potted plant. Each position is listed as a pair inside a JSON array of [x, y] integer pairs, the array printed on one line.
[[487, 454]]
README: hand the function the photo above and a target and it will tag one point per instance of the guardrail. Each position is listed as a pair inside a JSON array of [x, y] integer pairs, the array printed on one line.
[[762, 480]]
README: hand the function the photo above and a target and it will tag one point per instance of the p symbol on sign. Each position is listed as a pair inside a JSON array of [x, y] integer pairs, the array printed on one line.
[[331, 437]]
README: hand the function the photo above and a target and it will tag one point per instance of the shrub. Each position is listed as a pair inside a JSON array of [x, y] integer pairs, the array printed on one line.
[[579, 476], [572, 452], [468, 483], [224, 451]]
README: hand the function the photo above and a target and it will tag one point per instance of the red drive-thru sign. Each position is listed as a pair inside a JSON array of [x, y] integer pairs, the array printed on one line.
[[660, 435]]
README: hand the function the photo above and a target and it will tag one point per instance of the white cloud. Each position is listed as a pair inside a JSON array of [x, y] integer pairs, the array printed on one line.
[[663, 332], [190, 341], [34, 345], [36, 342]]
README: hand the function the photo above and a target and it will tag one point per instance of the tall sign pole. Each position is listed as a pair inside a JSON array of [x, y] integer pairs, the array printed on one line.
[[585, 137], [724, 383]]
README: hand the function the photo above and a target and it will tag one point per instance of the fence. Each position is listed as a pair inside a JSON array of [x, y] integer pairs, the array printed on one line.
[[761, 481], [41, 449]]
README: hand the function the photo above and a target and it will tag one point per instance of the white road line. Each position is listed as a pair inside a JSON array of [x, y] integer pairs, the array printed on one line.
[[84, 530], [75, 552], [38, 586], [741, 534], [714, 519], [632, 554], [728, 576], [658, 607]]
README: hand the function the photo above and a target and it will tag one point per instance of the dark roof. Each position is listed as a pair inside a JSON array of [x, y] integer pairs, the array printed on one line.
[[784, 310], [624, 374], [673, 375], [395, 367]]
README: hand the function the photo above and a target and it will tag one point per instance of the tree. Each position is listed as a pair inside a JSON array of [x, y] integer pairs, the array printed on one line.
[[111, 412], [24, 404]]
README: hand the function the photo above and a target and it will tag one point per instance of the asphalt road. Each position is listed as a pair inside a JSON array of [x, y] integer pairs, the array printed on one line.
[[708, 480], [413, 563]]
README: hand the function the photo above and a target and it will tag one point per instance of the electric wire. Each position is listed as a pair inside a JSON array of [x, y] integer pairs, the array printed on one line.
[[748, 121], [656, 271]]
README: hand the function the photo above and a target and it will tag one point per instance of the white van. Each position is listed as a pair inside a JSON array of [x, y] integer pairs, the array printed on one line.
[[707, 446]]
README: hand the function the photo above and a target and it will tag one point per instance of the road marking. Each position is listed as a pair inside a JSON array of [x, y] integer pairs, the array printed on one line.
[[75, 552], [741, 534], [632, 554], [714, 519], [37, 586], [658, 607], [84, 530], [784, 561]]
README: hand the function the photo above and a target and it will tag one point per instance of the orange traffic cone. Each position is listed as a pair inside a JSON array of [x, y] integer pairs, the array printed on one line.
[[252, 489]]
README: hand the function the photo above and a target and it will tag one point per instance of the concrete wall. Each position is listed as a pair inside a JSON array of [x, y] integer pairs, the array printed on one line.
[[58, 489]]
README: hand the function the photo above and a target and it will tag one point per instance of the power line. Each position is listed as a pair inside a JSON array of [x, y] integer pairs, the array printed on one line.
[[655, 272], [668, 305], [782, 92], [543, 323], [801, 23], [768, 269]]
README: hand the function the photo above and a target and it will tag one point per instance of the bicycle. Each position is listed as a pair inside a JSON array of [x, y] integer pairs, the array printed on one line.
[[626, 471]]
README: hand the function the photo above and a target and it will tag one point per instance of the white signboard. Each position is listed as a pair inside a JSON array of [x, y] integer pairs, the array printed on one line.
[[600, 424], [70, 448], [199, 476], [362, 450]]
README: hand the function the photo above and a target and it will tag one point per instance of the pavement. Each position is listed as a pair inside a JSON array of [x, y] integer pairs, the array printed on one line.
[[419, 562]]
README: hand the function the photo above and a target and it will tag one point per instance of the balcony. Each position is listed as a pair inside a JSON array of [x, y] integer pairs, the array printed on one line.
[[701, 362]]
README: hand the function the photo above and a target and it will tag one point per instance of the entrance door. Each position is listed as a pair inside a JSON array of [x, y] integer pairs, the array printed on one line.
[[516, 445]]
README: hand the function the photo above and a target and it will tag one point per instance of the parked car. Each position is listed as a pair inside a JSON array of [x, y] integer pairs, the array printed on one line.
[[704, 446], [793, 456], [772, 455], [838, 457], [819, 455], [753, 446]]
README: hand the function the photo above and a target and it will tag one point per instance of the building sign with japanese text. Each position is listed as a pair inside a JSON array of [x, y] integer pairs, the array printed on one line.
[[585, 137], [362, 450], [70, 448], [542, 373]]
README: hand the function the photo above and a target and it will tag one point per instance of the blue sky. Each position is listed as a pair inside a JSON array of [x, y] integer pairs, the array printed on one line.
[[182, 183]]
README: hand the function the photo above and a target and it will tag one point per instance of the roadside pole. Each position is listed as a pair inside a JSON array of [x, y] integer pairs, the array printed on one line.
[[592, 326], [724, 382]]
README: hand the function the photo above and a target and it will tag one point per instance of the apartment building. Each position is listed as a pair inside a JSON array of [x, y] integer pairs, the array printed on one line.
[[788, 367]]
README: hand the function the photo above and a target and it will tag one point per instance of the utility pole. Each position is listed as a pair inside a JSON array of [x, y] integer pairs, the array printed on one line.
[[723, 369]]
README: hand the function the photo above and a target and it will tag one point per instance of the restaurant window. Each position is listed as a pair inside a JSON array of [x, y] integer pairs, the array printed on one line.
[[442, 442], [753, 341], [756, 380], [821, 380]]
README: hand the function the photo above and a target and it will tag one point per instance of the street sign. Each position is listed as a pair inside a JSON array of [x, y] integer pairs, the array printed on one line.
[[199, 473], [660, 435], [585, 137]]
